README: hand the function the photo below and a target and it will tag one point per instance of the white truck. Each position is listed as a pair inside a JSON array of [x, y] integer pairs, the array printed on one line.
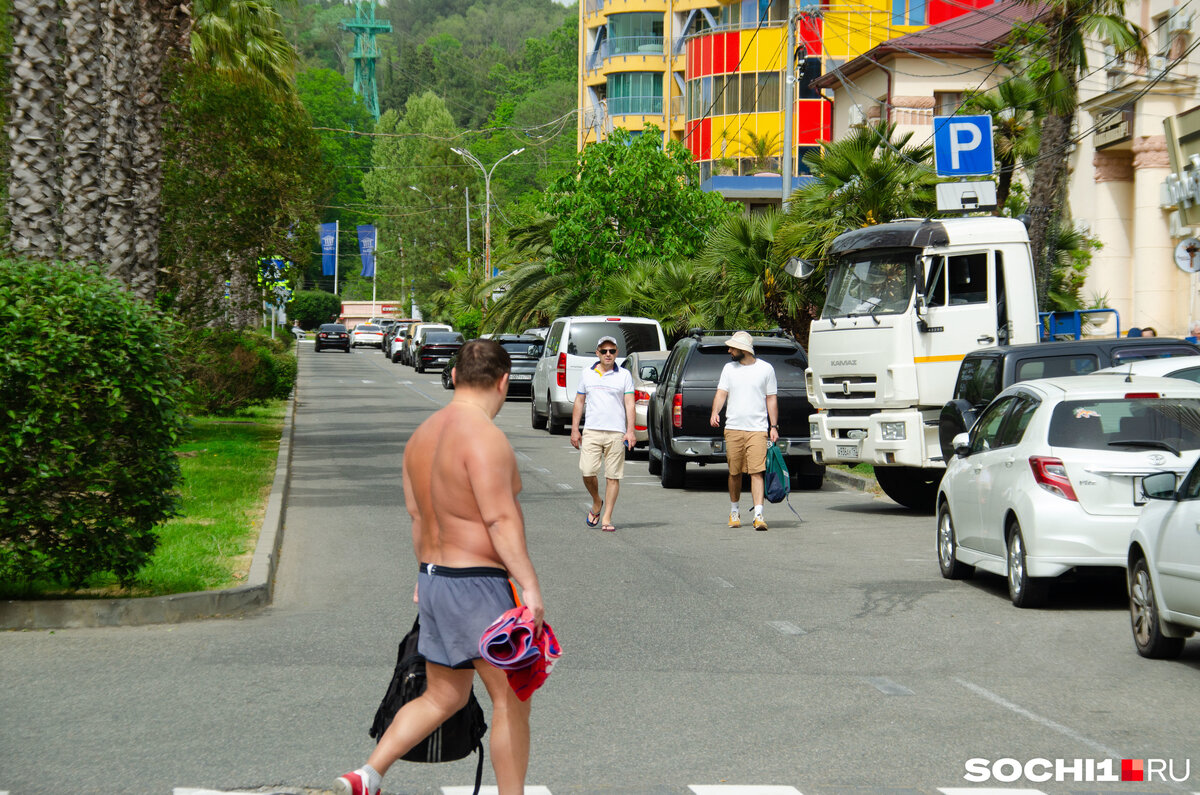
[[906, 301]]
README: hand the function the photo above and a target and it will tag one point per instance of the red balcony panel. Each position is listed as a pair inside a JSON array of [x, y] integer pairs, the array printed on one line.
[[733, 51], [814, 121], [809, 29], [718, 53], [941, 10], [705, 138]]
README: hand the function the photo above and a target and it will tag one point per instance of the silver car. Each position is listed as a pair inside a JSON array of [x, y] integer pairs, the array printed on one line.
[[646, 367]]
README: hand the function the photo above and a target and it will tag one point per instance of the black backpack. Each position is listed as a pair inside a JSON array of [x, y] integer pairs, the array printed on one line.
[[462, 732]]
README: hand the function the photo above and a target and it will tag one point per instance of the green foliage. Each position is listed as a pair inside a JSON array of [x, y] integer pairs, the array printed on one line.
[[238, 179], [228, 370], [313, 307], [87, 425], [244, 39], [630, 198]]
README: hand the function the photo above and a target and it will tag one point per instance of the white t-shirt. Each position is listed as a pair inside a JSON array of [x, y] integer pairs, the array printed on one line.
[[605, 395], [748, 386]]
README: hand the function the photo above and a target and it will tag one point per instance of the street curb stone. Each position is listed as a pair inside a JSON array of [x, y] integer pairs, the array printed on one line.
[[849, 479], [253, 595]]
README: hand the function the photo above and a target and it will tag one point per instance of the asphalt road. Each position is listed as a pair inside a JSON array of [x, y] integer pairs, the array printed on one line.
[[828, 656]]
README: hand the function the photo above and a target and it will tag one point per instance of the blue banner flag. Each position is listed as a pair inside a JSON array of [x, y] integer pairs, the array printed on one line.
[[366, 248], [328, 249]]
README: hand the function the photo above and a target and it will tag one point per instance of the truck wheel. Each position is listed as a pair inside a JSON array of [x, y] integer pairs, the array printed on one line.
[[556, 426], [537, 421], [913, 488], [653, 465], [674, 471]]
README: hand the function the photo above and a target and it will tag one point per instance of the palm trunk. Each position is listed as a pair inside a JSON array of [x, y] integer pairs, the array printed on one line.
[[33, 129], [1047, 195], [117, 233], [83, 114]]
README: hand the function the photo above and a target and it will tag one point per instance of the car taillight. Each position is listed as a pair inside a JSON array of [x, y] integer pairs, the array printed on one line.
[[677, 410], [1051, 475], [640, 397], [562, 370]]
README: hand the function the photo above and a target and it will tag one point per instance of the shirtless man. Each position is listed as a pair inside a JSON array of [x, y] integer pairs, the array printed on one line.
[[460, 487]]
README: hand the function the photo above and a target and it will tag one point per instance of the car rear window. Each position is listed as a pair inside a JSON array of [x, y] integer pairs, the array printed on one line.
[[1104, 424], [443, 336], [1056, 366], [1140, 352], [521, 347], [630, 337], [333, 327], [708, 361], [367, 327]]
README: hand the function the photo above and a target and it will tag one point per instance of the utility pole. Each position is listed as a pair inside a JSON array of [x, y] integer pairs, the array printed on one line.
[[789, 112], [366, 51]]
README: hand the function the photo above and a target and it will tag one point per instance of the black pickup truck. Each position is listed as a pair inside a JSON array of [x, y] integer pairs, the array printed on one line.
[[985, 372], [677, 417]]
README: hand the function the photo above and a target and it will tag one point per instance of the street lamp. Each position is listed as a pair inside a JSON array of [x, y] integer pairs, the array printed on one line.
[[487, 202]]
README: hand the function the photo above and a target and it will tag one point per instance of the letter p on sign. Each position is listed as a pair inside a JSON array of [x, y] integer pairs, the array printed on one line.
[[962, 146]]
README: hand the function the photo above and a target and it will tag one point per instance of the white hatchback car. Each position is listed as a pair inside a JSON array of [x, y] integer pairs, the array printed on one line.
[[1049, 477], [1164, 566], [366, 334]]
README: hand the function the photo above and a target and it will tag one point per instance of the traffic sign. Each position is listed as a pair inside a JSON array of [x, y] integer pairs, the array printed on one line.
[[962, 145]]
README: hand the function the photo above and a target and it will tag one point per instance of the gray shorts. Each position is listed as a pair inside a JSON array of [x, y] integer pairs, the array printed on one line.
[[456, 606]]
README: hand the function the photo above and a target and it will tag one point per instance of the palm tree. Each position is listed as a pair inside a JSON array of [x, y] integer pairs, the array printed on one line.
[[677, 293], [762, 150], [244, 37], [1067, 24], [82, 121], [1016, 108]]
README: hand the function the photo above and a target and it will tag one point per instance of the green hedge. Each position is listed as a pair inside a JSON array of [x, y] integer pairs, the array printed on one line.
[[88, 424], [313, 307], [227, 370]]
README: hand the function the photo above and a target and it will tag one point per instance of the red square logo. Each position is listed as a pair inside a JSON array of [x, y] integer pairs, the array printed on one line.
[[1133, 770]]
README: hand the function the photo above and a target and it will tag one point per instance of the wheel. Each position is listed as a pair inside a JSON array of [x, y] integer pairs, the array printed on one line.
[[806, 481], [316, 349], [654, 465], [537, 421], [447, 382], [911, 487], [1025, 591], [674, 471], [419, 367], [947, 545], [553, 423], [395, 358], [1143, 617]]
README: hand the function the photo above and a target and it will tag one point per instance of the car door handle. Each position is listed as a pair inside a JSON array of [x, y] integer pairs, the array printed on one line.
[[985, 339]]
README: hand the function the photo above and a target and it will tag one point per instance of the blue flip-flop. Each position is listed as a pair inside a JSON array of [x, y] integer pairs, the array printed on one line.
[[593, 519]]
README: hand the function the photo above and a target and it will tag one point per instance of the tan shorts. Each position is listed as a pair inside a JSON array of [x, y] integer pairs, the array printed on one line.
[[606, 447], [746, 451]]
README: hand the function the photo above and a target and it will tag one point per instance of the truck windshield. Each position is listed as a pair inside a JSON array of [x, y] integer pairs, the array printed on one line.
[[874, 284]]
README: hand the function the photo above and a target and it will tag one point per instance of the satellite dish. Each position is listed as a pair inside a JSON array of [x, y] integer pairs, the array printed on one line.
[[800, 268]]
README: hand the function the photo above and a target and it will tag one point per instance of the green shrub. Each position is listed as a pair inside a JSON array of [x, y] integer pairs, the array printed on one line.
[[313, 307], [88, 423], [227, 370]]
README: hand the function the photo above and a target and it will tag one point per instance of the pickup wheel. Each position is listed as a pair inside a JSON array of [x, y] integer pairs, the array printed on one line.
[[674, 471], [653, 465], [911, 487], [536, 421]]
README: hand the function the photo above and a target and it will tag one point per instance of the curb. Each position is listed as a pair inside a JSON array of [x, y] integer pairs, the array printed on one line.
[[850, 480], [174, 608]]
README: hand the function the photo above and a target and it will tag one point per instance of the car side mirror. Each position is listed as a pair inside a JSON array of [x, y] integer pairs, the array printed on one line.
[[799, 268], [649, 373], [1159, 486], [961, 444]]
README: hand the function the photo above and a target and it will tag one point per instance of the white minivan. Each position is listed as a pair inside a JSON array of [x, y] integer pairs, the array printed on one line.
[[571, 346]]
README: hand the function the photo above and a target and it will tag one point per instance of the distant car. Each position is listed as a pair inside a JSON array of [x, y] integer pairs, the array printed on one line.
[[412, 342], [540, 331], [1163, 567], [646, 367], [393, 337], [332, 335], [1175, 367], [1049, 478], [523, 351], [366, 334], [436, 349]]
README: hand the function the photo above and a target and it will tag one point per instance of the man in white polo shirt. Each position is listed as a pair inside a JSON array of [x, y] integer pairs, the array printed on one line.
[[606, 391]]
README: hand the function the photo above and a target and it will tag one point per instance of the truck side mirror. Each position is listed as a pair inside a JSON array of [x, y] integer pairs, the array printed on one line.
[[800, 268]]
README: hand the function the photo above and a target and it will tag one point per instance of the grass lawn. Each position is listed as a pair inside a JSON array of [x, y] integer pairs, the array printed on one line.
[[227, 466], [859, 469]]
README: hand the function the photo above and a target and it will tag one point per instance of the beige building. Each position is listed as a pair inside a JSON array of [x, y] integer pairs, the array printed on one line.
[[1119, 165]]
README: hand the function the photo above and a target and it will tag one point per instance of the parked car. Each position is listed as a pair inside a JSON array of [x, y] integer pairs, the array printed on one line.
[[394, 335], [332, 335], [985, 372], [1174, 367], [677, 421], [571, 346], [1049, 478], [412, 342], [539, 332], [646, 367], [523, 351], [436, 348], [366, 334], [1163, 566]]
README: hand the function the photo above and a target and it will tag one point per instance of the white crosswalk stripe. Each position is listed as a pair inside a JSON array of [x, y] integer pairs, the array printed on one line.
[[491, 790], [987, 791], [742, 789]]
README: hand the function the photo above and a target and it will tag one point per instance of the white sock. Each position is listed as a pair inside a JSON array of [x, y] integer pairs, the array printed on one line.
[[733, 507], [757, 511], [374, 780]]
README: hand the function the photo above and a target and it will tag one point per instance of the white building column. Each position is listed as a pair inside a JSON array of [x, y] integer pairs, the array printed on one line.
[[1161, 291], [1112, 222]]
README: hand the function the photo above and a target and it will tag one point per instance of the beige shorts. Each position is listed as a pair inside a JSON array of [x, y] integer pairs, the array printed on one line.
[[606, 447], [746, 451]]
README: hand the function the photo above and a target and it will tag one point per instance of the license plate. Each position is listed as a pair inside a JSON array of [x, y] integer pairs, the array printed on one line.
[[521, 377], [847, 451], [1138, 497]]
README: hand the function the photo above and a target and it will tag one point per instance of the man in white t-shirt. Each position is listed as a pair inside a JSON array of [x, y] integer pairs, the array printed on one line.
[[751, 417], [606, 391]]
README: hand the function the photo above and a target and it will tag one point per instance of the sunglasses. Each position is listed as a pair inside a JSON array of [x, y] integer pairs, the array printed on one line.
[[609, 350]]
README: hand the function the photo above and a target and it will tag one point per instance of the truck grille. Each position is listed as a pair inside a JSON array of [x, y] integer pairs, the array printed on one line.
[[848, 387]]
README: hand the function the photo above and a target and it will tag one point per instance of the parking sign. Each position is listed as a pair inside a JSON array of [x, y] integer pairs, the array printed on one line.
[[962, 146]]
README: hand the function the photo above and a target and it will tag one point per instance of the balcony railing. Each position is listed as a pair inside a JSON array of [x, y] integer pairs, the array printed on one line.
[[635, 45], [595, 6], [624, 106]]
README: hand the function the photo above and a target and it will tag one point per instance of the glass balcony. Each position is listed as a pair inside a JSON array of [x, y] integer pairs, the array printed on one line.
[[635, 45], [624, 106]]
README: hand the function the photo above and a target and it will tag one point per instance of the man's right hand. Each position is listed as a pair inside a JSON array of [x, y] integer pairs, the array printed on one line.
[[715, 419], [576, 438], [533, 600]]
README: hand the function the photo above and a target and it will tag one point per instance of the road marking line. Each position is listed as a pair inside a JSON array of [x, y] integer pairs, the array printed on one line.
[[365, 381], [786, 628], [888, 687], [724, 583], [988, 791], [194, 791], [422, 394], [492, 790], [742, 789], [1049, 724], [564, 486]]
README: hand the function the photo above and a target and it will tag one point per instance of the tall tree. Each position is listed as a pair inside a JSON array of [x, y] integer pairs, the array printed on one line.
[[1061, 42], [1016, 109], [244, 37]]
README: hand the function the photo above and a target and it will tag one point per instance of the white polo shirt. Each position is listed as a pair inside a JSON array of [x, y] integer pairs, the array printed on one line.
[[604, 394], [748, 386]]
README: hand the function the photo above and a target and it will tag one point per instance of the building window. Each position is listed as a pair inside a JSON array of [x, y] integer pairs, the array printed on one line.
[[635, 93], [743, 92], [908, 12], [630, 34], [947, 103], [768, 93]]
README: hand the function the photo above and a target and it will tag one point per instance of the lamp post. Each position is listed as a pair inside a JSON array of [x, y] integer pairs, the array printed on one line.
[[487, 202]]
